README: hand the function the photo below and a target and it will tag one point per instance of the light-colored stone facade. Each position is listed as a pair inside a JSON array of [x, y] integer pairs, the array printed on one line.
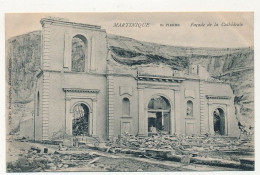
[[105, 85]]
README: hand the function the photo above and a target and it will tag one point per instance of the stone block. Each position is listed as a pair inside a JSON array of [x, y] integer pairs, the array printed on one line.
[[185, 159], [68, 142]]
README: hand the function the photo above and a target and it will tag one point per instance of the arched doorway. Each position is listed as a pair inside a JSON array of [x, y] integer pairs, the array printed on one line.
[[219, 121], [80, 122], [159, 115]]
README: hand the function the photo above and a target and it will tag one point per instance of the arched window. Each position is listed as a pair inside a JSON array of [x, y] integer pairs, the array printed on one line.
[[189, 108], [38, 104], [126, 107], [78, 53]]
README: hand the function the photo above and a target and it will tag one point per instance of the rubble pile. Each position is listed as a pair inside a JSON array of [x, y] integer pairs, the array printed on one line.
[[34, 160], [206, 150], [196, 146]]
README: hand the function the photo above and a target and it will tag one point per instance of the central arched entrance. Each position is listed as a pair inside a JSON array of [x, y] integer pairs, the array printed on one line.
[[159, 115], [219, 121], [80, 122]]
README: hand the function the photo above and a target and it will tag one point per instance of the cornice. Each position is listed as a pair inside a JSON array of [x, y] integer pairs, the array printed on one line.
[[81, 90], [218, 97], [158, 78]]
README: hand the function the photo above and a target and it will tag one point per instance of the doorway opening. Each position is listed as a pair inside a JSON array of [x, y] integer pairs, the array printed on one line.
[[80, 122], [159, 115], [219, 121]]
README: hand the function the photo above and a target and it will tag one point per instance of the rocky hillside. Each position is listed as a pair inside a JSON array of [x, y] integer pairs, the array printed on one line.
[[217, 60], [234, 66], [231, 65], [23, 54]]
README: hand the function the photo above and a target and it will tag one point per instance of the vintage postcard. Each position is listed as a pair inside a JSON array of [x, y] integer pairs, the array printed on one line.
[[150, 92]]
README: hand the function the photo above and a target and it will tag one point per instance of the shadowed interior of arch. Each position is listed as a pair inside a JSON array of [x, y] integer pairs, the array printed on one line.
[[80, 123], [219, 121], [159, 115]]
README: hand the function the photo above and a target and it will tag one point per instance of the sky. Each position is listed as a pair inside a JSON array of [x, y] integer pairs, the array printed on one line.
[[185, 34]]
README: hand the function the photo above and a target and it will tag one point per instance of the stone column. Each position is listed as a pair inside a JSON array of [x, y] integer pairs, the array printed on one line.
[[94, 133], [141, 115]]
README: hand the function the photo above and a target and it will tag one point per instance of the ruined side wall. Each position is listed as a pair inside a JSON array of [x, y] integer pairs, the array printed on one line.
[[221, 90], [125, 87], [38, 119], [190, 92]]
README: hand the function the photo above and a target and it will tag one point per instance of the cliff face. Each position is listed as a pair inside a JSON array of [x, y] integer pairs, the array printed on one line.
[[237, 69], [24, 55], [234, 66], [242, 84]]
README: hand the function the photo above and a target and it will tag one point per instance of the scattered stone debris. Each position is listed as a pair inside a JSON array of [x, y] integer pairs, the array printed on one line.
[[35, 157], [205, 150], [185, 159], [181, 144], [62, 147], [183, 148], [36, 162]]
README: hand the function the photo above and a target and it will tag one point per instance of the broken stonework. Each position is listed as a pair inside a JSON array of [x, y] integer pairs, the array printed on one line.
[[185, 159], [68, 142]]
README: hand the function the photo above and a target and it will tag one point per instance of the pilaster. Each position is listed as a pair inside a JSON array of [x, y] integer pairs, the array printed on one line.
[[141, 113], [46, 31], [93, 54], [45, 105], [68, 117], [202, 108], [111, 94], [67, 51], [94, 121], [172, 121], [211, 124], [177, 115], [228, 117], [46, 80], [90, 129]]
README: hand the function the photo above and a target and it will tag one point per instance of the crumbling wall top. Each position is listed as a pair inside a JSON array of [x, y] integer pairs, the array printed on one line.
[[66, 22]]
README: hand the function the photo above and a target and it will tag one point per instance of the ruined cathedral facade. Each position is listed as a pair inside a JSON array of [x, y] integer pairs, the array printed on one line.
[[83, 91]]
